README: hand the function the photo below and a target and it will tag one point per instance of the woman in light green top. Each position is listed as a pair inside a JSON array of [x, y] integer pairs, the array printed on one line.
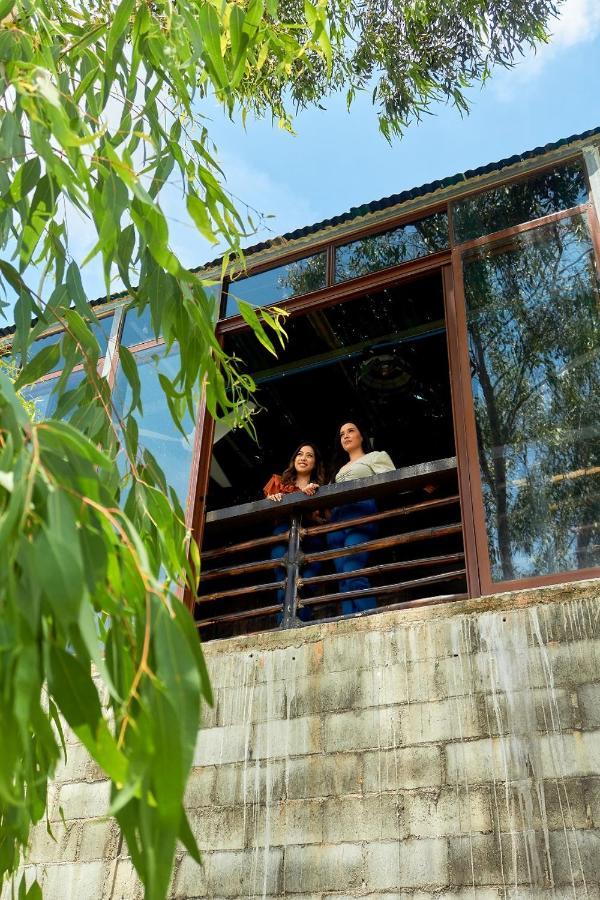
[[362, 461]]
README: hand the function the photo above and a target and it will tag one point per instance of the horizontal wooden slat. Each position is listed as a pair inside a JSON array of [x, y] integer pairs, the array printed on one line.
[[244, 569], [379, 516], [383, 589], [239, 592], [385, 568], [246, 545], [393, 540], [238, 616]]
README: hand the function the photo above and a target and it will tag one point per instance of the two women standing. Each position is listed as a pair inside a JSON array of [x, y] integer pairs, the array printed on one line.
[[353, 458]]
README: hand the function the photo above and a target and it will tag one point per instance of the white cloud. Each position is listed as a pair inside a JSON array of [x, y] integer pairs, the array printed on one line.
[[578, 23]]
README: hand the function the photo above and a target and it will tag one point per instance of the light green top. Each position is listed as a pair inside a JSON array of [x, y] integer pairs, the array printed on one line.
[[365, 466]]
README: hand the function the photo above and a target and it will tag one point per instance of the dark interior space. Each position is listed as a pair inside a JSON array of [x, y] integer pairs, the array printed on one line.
[[381, 358]]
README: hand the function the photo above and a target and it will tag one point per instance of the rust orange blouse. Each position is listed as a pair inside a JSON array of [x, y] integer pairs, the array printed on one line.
[[276, 486]]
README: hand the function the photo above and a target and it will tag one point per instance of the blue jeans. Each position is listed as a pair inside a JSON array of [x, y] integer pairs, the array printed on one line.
[[350, 537], [278, 551]]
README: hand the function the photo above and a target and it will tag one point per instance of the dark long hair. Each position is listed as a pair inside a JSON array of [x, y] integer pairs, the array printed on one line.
[[317, 474], [339, 457]]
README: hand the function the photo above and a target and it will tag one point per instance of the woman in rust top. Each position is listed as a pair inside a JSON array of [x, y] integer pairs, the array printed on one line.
[[305, 472]]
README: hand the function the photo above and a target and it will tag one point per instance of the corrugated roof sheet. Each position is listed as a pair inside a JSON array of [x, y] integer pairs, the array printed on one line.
[[385, 203]]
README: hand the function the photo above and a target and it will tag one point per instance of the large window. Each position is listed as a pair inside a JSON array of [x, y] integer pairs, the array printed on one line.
[[381, 357], [534, 345]]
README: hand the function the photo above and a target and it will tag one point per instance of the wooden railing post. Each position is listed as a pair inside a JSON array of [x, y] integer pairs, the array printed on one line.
[[293, 560]]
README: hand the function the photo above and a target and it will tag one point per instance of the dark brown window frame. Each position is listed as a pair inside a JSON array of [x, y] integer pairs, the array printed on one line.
[[468, 452], [449, 264]]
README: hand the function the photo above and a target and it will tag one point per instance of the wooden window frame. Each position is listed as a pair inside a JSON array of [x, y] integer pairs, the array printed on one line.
[[476, 539], [449, 264]]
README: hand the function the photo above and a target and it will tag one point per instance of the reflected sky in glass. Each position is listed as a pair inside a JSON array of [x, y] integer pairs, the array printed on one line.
[[156, 429]]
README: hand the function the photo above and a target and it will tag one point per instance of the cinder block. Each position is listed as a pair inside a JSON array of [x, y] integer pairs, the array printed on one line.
[[60, 846], [317, 694], [526, 711], [208, 714], [574, 664], [250, 782], [552, 804], [589, 705], [326, 868], [373, 818], [281, 824], [246, 874], [189, 880], [591, 790], [126, 884], [493, 859], [574, 856], [99, 840], [324, 776], [219, 827], [570, 754], [447, 812], [82, 800], [257, 703], [200, 786], [362, 729], [79, 766], [402, 769], [286, 737], [406, 864], [74, 881], [484, 760], [216, 746], [440, 721], [408, 681], [346, 652]]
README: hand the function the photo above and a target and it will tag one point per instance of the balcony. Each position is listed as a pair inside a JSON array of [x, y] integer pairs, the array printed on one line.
[[256, 580]]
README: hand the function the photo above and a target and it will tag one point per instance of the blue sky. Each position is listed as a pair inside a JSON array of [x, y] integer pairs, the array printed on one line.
[[338, 159]]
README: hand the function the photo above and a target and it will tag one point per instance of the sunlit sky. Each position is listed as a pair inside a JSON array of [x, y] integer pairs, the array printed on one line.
[[338, 159]]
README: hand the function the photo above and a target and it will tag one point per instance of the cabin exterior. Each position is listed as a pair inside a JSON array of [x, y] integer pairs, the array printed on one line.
[[445, 742]]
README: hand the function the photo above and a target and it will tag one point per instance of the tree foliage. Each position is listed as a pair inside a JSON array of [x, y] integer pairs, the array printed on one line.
[[101, 107]]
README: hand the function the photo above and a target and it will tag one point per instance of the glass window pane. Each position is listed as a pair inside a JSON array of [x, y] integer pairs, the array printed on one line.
[[42, 394], [101, 331], [522, 201], [534, 344], [279, 284], [44, 342], [158, 434], [137, 329], [392, 248]]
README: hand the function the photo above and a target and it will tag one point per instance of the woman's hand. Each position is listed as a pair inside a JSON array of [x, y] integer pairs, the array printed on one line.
[[310, 489], [276, 497]]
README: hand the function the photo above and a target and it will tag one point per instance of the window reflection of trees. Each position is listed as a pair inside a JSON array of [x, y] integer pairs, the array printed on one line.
[[392, 248], [520, 201], [302, 276], [534, 337]]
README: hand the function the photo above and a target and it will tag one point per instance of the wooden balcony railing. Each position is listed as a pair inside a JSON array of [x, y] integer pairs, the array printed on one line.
[[254, 579]]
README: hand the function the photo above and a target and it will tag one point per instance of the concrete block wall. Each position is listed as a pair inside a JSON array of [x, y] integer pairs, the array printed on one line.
[[450, 752]]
